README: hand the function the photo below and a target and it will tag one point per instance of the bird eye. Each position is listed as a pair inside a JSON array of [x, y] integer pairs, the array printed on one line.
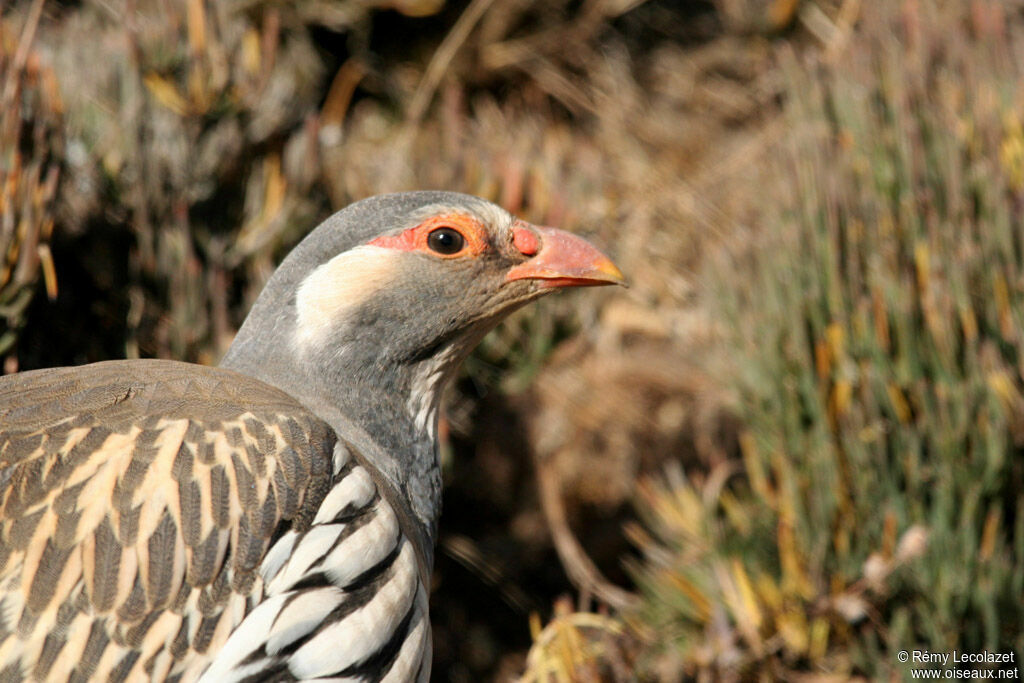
[[446, 241]]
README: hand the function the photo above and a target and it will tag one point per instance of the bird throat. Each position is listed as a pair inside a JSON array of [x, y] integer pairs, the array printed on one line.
[[427, 386]]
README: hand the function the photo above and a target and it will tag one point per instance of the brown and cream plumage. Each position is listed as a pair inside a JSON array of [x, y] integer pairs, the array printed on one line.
[[274, 518]]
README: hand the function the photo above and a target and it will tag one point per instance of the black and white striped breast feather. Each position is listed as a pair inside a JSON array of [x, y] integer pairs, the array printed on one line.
[[345, 599], [166, 521]]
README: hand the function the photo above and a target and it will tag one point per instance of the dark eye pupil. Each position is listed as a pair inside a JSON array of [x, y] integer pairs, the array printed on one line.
[[445, 241]]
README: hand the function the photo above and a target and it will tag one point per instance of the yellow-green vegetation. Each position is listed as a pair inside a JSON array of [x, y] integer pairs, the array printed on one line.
[[577, 646], [875, 321]]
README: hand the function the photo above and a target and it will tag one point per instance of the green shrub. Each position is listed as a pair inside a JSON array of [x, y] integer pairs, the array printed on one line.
[[876, 326]]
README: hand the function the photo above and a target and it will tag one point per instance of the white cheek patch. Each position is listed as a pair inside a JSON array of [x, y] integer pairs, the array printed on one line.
[[338, 286]]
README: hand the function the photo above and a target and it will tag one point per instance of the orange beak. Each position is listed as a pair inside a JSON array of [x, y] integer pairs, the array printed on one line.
[[565, 260]]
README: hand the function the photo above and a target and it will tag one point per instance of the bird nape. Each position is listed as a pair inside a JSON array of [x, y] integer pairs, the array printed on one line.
[[273, 518]]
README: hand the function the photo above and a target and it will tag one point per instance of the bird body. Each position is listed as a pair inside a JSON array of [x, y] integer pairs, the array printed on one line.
[[273, 518]]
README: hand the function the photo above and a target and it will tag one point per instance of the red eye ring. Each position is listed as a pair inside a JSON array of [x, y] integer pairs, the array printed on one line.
[[446, 241], [452, 235]]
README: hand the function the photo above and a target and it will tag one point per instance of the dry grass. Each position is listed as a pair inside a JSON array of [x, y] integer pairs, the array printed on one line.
[[30, 139]]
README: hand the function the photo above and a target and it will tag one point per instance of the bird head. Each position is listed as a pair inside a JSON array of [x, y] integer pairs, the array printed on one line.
[[438, 275], [391, 293]]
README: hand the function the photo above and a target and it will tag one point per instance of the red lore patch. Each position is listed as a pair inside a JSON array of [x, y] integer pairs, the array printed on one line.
[[525, 240]]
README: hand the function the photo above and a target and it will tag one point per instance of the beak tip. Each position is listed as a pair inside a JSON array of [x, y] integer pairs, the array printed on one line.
[[602, 272], [615, 276]]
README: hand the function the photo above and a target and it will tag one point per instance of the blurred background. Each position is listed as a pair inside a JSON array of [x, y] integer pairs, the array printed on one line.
[[792, 448]]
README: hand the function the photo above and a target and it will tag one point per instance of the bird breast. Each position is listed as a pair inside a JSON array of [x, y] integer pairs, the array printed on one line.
[[343, 598]]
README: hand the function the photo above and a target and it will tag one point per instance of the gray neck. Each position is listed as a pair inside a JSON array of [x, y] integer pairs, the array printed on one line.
[[387, 407]]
